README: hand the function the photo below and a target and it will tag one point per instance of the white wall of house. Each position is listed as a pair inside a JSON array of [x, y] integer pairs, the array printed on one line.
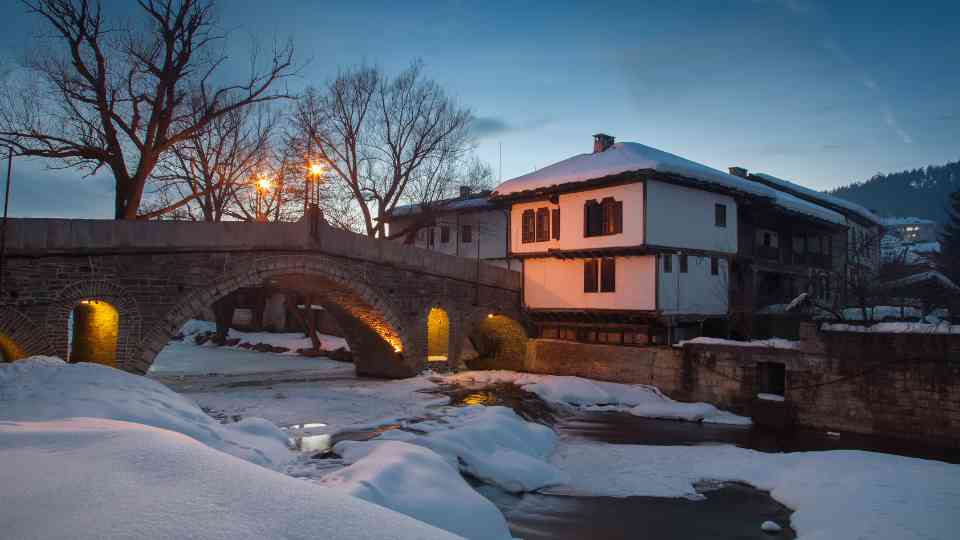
[[682, 217], [571, 220], [489, 226], [695, 291], [551, 283]]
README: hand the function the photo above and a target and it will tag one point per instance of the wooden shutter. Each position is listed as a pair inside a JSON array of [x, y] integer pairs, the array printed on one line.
[[527, 226], [444, 234], [608, 275], [594, 219], [466, 234], [714, 266], [555, 215], [590, 275], [618, 217], [683, 263], [667, 263]]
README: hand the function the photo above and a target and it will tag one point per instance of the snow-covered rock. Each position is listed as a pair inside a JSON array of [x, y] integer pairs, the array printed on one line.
[[637, 399], [770, 527], [415, 481], [88, 479], [41, 389], [492, 444]]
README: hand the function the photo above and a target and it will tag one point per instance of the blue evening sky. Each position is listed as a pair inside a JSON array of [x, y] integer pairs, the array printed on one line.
[[820, 92]]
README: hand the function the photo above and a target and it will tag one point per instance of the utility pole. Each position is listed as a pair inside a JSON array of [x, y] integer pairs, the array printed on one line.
[[3, 226]]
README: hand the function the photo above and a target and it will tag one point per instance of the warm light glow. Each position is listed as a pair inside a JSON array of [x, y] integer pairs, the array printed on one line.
[[264, 183], [489, 315], [315, 169]]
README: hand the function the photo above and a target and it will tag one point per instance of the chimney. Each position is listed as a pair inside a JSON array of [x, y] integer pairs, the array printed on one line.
[[601, 142], [464, 192], [738, 171]]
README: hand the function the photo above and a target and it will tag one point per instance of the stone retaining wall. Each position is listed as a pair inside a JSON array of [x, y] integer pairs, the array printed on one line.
[[898, 385]]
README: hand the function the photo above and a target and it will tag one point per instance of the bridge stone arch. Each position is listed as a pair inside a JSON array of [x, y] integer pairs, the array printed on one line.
[[129, 325], [370, 321], [20, 336]]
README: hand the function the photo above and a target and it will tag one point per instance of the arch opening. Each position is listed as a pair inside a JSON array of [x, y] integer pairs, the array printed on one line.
[[500, 342], [9, 350], [438, 335], [93, 329]]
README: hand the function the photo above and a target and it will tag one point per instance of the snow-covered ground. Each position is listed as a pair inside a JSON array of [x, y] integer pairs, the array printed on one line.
[[588, 394], [87, 439]]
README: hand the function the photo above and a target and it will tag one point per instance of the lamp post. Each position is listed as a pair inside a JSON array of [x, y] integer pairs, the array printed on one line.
[[262, 184], [314, 171]]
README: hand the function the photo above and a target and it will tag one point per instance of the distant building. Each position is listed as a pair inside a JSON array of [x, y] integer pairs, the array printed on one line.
[[470, 225], [911, 229]]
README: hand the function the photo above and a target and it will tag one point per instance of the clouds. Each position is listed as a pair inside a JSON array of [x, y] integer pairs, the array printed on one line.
[[489, 127]]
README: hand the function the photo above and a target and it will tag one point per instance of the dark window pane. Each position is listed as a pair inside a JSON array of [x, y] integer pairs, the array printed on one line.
[[543, 224], [608, 275], [527, 231], [433, 238], [466, 233], [720, 217], [714, 265], [444, 234], [667, 263], [590, 275], [593, 219], [683, 263], [555, 214]]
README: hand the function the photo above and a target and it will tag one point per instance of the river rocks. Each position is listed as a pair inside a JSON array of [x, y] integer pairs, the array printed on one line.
[[770, 527]]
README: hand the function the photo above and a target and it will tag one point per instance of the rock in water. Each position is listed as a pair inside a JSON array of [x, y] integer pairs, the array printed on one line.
[[770, 527]]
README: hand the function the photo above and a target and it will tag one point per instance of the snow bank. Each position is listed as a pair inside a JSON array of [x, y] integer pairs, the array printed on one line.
[[40, 389], [894, 328], [837, 494], [637, 399], [417, 482], [772, 343], [179, 358], [290, 340], [492, 444], [84, 478]]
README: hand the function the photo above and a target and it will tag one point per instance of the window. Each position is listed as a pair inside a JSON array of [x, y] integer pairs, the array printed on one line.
[[602, 218], [555, 215], [720, 215], [767, 239], [667, 263], [714, 266], [543, 224], [590, 268], [527, 224], [432, 239], [683, 263], [444, 234], [612, 211], [608, 275], [466, 234]]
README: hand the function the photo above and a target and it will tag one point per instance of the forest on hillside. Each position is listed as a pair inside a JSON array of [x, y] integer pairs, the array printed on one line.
[[920, 192]]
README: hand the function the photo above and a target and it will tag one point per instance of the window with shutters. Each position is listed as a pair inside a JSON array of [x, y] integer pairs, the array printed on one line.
[[555, 218], [667, 263], [444, 234], [602, 218], [608, 275], [528, 225], [590, 271], [683, 263], [714, 266], [466, 234], [543, 224], [720, 215]]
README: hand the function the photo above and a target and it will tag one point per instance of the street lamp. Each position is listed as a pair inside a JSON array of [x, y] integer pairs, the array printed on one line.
[[315, 171], [262, 184]]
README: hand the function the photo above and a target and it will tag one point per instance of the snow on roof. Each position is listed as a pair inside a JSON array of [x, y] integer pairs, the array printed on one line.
[[479, 200], [929, 275], [619, 158], [629, 156], [894, 220], [819, 196]]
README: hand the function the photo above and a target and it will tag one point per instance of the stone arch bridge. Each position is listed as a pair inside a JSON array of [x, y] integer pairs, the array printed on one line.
[[159, 274]]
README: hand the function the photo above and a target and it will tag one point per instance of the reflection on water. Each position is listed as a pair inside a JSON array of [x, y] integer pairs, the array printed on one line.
[[730, 510]]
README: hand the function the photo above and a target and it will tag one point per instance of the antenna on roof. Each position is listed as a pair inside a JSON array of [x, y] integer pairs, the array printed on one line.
[[500, 151]]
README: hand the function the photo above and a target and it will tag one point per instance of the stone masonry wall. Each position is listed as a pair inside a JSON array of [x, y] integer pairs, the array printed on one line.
[[903, 385]]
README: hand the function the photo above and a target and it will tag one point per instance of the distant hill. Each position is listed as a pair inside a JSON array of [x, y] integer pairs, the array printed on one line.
[[919, 193]]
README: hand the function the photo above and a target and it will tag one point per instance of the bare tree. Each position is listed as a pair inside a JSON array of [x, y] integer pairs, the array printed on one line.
[[113, 96], [385, 140], [204, 174]]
